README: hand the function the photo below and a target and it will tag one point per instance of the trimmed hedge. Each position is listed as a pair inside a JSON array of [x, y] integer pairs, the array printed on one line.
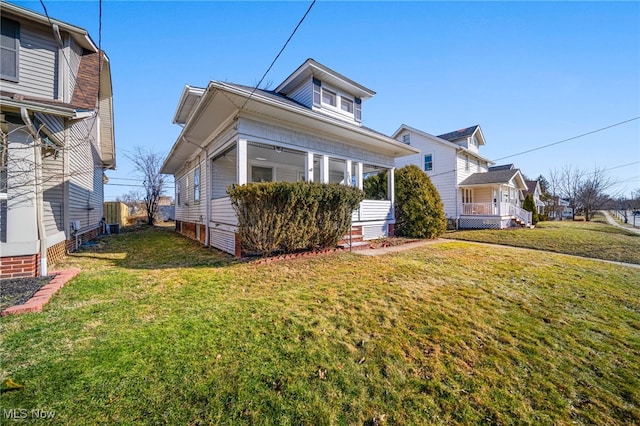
[[419, 209], [285, 217], [529, 205]]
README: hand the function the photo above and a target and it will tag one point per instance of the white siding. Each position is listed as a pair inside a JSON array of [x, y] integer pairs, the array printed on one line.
[[443, 175], [303, 94], [38, 56], [190, 210], [223, 240], [53, 193], [222, 212]]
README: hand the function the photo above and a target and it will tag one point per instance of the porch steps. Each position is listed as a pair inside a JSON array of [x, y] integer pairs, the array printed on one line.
[[358, 245], [354, 240]]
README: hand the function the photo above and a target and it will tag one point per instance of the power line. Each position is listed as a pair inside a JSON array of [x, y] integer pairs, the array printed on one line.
[[278, 55], [568, 139]]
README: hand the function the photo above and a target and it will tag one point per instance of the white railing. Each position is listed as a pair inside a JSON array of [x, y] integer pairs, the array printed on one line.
[[520, 213], [222, 211], [373, 210], [496, 209]]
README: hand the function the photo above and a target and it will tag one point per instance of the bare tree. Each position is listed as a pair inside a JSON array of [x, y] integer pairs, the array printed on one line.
[[591, 194], [148, 164], [569, 182]]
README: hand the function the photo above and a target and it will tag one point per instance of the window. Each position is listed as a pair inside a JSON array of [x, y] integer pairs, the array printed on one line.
[[316, 91], [346, 104], [178, 193], [196, 184], [407, 138], [261, 174], [9, 50], [328, 97], [428, 162], [358, 109], [466, 164]]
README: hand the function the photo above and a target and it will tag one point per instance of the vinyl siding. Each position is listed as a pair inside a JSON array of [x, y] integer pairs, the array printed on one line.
[[303, 94], [37, 66], [189, 210], [443, 175], [85, 175]]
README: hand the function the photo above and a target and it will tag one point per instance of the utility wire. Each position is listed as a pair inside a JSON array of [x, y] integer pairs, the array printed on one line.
[[568, 139], [278, 55]]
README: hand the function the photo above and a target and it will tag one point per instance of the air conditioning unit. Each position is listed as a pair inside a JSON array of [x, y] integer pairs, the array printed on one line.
[[75, 225]]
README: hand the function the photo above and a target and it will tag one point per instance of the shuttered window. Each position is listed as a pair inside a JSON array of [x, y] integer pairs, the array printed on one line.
[[316, 91], [9, 50]]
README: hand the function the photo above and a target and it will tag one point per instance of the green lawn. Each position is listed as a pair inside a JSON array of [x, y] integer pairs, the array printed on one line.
[[157, 330], [595, 239]]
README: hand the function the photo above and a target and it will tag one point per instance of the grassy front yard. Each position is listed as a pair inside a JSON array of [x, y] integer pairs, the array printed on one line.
[[595, 239], [157, 330]]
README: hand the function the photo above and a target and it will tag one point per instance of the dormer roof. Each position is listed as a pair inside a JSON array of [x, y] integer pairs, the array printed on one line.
[[465, 133], [188, 101], [311, 68]]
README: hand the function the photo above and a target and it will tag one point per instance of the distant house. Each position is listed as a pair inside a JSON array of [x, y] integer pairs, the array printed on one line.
[[57, 140], [533, 188], [474, 194], [308, 129]]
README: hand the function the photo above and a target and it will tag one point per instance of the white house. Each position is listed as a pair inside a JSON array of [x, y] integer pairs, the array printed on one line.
[[533, 188], [57, 139], [474, 194], [309, 128]]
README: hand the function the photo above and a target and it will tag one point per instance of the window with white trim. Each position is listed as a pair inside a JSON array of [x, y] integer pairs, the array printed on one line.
[[428, 162], [196, 184], [406, 138], [466, 163], [9, 49], [346, 104], [329, 97]]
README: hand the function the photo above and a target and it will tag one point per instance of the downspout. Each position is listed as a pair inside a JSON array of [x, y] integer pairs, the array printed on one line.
[[42, 235]]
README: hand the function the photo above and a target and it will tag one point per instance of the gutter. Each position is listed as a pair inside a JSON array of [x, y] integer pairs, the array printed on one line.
[[42, 233]]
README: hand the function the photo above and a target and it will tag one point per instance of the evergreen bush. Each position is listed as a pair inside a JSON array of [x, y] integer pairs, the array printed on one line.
[[530, 205], [419, 209], [285, 217]]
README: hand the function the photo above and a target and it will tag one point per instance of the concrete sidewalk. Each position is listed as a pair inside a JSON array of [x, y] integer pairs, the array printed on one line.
[[416, 244], [617, 225]]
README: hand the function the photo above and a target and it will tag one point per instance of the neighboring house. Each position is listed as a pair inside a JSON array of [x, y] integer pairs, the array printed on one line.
[[308, 129], [474, 194], [57, 140], [533, 188]]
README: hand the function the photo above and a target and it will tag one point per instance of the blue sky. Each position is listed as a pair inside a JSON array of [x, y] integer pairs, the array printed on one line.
[[530, 73]]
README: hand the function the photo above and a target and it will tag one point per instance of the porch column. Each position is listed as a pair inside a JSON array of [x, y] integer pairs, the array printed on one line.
[[391, 184], [359, 169], [347, 172], [241, 154], [500, 201], [308, 171], [324, 169]]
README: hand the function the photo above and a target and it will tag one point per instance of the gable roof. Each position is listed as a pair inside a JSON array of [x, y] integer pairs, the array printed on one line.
[[502, 167], [439, 140], [221, 100], [494, 177], [312, 68], [531, 186], [459, 134]]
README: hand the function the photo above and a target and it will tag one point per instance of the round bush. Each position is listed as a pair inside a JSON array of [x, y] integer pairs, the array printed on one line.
[[419, 210]]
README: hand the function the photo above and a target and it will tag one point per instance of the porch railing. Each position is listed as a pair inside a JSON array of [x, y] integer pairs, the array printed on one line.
[[373, 210], [496, 209]]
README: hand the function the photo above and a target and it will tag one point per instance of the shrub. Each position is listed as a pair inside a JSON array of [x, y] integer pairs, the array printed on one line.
[[375, 186], [284, 217], [530, 205], [419, 210]]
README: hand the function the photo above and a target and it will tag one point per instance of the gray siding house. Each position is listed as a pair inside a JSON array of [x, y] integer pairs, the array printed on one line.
[[57, 140], [308, 129]]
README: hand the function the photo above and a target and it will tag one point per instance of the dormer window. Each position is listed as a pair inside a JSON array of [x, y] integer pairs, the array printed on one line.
[[346, 104], [329, 97]]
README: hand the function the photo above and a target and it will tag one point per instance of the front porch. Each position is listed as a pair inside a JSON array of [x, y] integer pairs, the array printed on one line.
[[248, 161], [492, 216]]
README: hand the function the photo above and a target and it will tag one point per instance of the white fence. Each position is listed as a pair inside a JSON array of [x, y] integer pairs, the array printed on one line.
[[496, 209]]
